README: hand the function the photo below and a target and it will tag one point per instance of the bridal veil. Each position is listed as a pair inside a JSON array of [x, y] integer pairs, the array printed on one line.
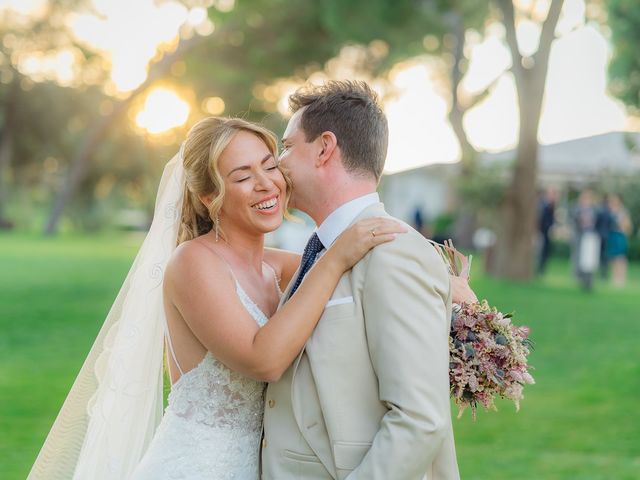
[[115, 404]]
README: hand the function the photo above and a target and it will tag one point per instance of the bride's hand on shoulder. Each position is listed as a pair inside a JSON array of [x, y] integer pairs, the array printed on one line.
[[356, 241]]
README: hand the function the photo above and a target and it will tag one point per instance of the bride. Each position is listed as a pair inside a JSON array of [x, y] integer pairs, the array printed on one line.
[[204, 286]]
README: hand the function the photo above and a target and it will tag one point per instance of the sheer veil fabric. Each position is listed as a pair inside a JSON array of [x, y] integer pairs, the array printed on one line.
[[115, 404]]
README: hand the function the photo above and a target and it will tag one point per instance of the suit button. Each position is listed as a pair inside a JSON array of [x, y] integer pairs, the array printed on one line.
[[272, 403], [264, 443]]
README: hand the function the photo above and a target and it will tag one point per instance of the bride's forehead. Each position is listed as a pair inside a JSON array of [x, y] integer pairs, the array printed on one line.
[[243, 142], [244, 149]]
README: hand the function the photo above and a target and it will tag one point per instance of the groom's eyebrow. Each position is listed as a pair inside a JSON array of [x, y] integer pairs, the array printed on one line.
[[248, 167]]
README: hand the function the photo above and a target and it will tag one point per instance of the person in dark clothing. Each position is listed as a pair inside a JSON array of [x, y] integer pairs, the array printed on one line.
[[418, 220], [604, 220], [617, 244], [546, 219]]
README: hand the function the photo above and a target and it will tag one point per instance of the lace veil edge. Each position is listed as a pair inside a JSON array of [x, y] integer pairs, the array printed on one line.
[[115, 404]]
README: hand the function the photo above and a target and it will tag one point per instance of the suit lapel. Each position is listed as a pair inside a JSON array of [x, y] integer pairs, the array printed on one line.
[[303, 393], [374, 210], [323, 453]]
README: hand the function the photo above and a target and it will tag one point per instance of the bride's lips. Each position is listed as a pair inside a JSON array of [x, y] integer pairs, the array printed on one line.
[[268, 205]]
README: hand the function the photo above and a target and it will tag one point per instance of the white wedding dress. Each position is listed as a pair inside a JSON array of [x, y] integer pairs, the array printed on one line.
[[106, 428], [212, 426]]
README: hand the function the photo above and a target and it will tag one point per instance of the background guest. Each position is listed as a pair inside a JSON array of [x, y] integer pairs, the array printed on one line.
[[585, 252], [617, 244], [546, 219]]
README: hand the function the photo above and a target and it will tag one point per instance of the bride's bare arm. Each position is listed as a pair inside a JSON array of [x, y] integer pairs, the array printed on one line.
[[204, 294]]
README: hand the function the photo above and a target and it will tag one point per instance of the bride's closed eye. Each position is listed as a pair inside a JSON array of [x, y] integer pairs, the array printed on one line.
[[271, 165]]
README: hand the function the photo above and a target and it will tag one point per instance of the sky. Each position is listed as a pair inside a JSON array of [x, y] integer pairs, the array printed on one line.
[[576, 102]]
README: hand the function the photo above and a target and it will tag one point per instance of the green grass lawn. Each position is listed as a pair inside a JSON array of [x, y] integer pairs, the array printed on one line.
[[580, 421]]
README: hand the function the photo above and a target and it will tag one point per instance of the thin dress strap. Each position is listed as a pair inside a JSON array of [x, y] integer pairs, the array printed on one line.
[[275, 277], [166, 324], [173, 354], [168, 335]]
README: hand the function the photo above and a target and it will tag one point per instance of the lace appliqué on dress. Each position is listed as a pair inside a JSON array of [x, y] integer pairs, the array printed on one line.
[[212, 425], [213, 395]]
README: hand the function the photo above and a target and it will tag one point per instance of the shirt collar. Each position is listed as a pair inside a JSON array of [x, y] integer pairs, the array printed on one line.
[[338, 221]]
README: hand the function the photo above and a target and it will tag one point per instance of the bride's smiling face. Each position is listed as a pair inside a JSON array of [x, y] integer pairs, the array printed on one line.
[[254, 186]]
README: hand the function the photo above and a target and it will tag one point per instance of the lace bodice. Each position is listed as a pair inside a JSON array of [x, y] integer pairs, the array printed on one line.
[[214, 395], [212, 426]]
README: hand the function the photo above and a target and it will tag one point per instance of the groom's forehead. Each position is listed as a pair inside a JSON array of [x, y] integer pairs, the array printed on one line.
[[292, 126]]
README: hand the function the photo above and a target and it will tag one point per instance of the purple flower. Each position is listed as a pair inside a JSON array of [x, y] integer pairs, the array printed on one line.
[[488, 357]]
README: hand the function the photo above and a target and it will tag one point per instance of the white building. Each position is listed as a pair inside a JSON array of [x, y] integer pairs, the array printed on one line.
[[567, 165]]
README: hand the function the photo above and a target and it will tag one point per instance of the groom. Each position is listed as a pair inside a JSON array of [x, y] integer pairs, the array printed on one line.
[[368, 397]]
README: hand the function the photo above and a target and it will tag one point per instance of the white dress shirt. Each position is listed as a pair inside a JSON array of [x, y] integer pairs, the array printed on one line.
[[338, 221]]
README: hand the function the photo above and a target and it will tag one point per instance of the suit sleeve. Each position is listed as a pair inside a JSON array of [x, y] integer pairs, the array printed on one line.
[[406, 301]]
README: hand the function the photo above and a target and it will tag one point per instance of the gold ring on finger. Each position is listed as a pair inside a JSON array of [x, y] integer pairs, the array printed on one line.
[[373, 232]]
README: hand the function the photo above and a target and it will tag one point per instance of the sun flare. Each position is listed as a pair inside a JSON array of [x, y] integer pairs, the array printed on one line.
[[163, 110]]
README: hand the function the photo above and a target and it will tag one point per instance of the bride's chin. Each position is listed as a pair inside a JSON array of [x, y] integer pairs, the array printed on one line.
[[273, 226]]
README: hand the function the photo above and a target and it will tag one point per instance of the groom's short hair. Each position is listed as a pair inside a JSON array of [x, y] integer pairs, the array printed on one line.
[[351, 111]]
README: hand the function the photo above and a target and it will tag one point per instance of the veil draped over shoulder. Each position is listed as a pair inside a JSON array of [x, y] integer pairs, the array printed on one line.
[[115, 404]]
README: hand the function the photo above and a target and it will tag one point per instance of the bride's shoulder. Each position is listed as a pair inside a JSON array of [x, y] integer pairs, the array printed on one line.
[[193, 257]]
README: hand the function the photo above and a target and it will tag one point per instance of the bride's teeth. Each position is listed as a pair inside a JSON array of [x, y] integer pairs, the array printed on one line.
[[267, 204]]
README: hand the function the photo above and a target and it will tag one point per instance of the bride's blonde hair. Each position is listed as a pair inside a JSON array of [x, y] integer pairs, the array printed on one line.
[[202, 149]]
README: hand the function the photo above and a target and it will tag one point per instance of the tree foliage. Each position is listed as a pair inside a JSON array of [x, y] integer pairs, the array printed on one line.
[[624, 68], [254, 44], [259, 41]]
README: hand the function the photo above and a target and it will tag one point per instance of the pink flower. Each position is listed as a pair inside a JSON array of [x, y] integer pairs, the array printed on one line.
[[488, 358]]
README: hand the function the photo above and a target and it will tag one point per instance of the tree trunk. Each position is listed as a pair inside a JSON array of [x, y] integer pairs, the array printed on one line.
[[516, 239], [466, 218], [457, 111], [514, 255], [6, 149], [79, 165], [81, 159]]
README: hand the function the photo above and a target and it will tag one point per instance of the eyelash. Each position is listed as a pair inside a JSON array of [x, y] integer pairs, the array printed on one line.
[[247, 178]]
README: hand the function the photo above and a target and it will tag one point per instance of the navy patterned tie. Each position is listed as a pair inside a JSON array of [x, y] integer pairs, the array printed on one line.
[[314, 245]]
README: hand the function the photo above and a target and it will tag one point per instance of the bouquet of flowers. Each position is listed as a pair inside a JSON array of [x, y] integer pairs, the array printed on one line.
[[487, 353]]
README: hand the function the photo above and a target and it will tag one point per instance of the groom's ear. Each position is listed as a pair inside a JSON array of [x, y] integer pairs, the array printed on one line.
[[328, 144]]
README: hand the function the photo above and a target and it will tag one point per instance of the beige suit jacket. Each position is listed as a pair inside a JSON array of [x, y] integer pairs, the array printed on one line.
[[368, 397]]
